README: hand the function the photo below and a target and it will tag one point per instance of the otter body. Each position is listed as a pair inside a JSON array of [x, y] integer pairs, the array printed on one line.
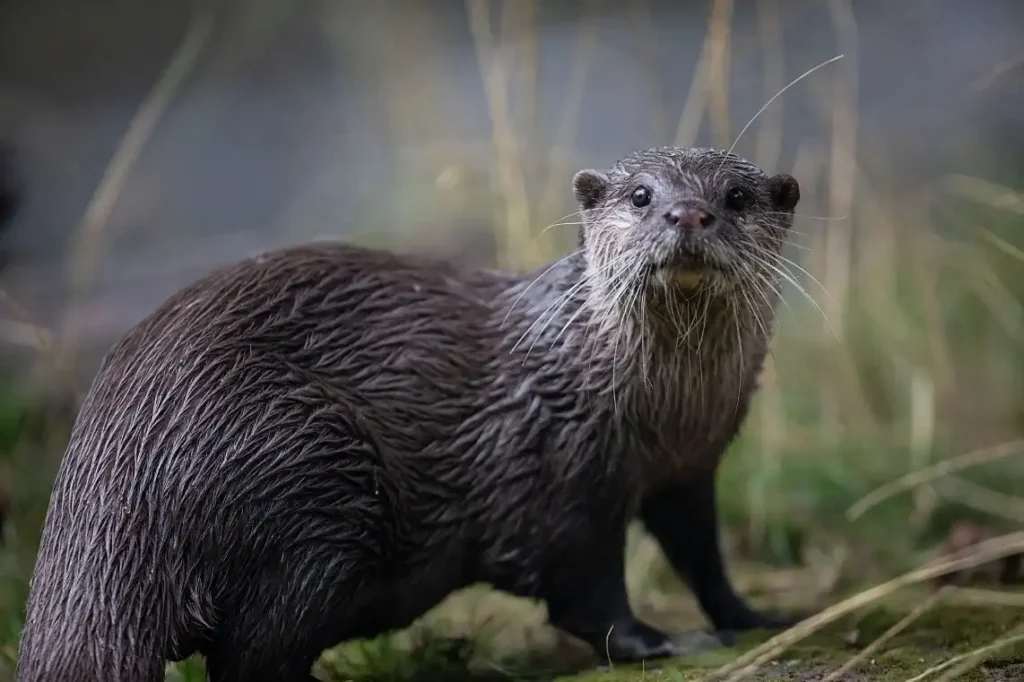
[[322, 442]]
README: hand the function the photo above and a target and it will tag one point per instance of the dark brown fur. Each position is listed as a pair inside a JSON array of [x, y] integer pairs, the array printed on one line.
[[322, 442]]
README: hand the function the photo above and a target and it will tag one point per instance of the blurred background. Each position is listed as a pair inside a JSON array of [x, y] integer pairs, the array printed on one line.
[[153, 141]]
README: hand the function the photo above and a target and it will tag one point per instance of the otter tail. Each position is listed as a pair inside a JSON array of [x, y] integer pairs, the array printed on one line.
[[94, 611], [77, 628]]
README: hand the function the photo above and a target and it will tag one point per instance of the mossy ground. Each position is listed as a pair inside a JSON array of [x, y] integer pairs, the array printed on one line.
[[481, 636], [935, 637]]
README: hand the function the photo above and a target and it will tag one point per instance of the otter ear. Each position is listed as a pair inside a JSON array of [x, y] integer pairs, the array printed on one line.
[[590, 187], [784, 191]]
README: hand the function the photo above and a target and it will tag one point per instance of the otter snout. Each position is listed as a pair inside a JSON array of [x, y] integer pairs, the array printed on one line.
[[689, 215]]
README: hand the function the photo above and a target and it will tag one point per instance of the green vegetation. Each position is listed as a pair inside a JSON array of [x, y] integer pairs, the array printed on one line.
[[914, 355]]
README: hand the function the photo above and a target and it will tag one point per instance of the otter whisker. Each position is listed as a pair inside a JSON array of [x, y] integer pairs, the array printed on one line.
[[700, 343], [753, 308], [641, 330], [774, 97], [534, 281], [799, 267], [768, 267], [806, 217], [583, 215], [627, 326], [759, 283], [584, 212], [612, 279], [615, 286], [742, 357], [645, 356], [568, 323], [777, 262], [784, 274], [553, 309]]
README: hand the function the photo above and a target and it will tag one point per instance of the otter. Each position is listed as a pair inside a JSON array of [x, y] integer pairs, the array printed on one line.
[[319, 443]]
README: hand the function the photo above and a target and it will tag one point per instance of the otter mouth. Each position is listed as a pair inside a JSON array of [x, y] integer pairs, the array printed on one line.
[[684, 271], [685, 278]]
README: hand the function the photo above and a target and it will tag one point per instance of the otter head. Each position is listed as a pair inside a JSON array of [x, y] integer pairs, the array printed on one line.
[[678, 225]]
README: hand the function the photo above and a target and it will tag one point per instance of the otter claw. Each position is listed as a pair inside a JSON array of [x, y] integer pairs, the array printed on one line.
[[630, 650], [700, 641]]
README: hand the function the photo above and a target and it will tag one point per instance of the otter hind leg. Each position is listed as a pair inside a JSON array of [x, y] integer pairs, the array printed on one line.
[[288, 617], [684, 520], [316, 535]]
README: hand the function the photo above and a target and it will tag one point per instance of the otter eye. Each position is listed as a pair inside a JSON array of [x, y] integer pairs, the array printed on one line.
[[736, 199], [641, 196]]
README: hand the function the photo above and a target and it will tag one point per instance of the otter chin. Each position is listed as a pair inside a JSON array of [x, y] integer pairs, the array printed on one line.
[[322, 442], [686, 279]]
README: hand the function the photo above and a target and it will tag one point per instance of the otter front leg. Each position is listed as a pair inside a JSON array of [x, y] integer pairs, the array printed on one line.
[[684, 520], [589, 601]]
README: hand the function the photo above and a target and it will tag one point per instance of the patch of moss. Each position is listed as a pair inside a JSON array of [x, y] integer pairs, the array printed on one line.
[[935, 637]]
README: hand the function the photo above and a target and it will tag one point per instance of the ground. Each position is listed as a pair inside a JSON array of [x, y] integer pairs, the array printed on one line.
[[935, 638], [482, 636]]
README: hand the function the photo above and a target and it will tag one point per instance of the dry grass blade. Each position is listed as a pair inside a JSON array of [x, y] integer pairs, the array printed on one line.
[[1003, 245], [644, 22], [938, 470], [40, 339], [769, 139], [969, 659], [718, 68], [493, 71], [842, 169], [696, 100], [981, 498], [44, 339], [888, 635], [985, 192], [140, 129], [976, 596], [984, 552], [558, 162]]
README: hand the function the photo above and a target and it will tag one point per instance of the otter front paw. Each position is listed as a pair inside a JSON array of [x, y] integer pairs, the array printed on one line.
[[767, 620], [754, 620], [639, 642]]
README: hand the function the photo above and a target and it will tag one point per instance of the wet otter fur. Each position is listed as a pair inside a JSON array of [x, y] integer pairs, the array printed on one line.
[[322, 442]]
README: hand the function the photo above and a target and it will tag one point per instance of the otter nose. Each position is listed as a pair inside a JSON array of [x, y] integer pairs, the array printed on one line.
[[688, 217]]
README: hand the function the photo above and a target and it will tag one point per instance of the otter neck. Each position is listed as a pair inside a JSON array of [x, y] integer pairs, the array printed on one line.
[[675, 373], [666, 330], [565, 307]]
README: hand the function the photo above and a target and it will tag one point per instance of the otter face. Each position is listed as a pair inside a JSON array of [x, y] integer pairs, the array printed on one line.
[[685, 219]]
